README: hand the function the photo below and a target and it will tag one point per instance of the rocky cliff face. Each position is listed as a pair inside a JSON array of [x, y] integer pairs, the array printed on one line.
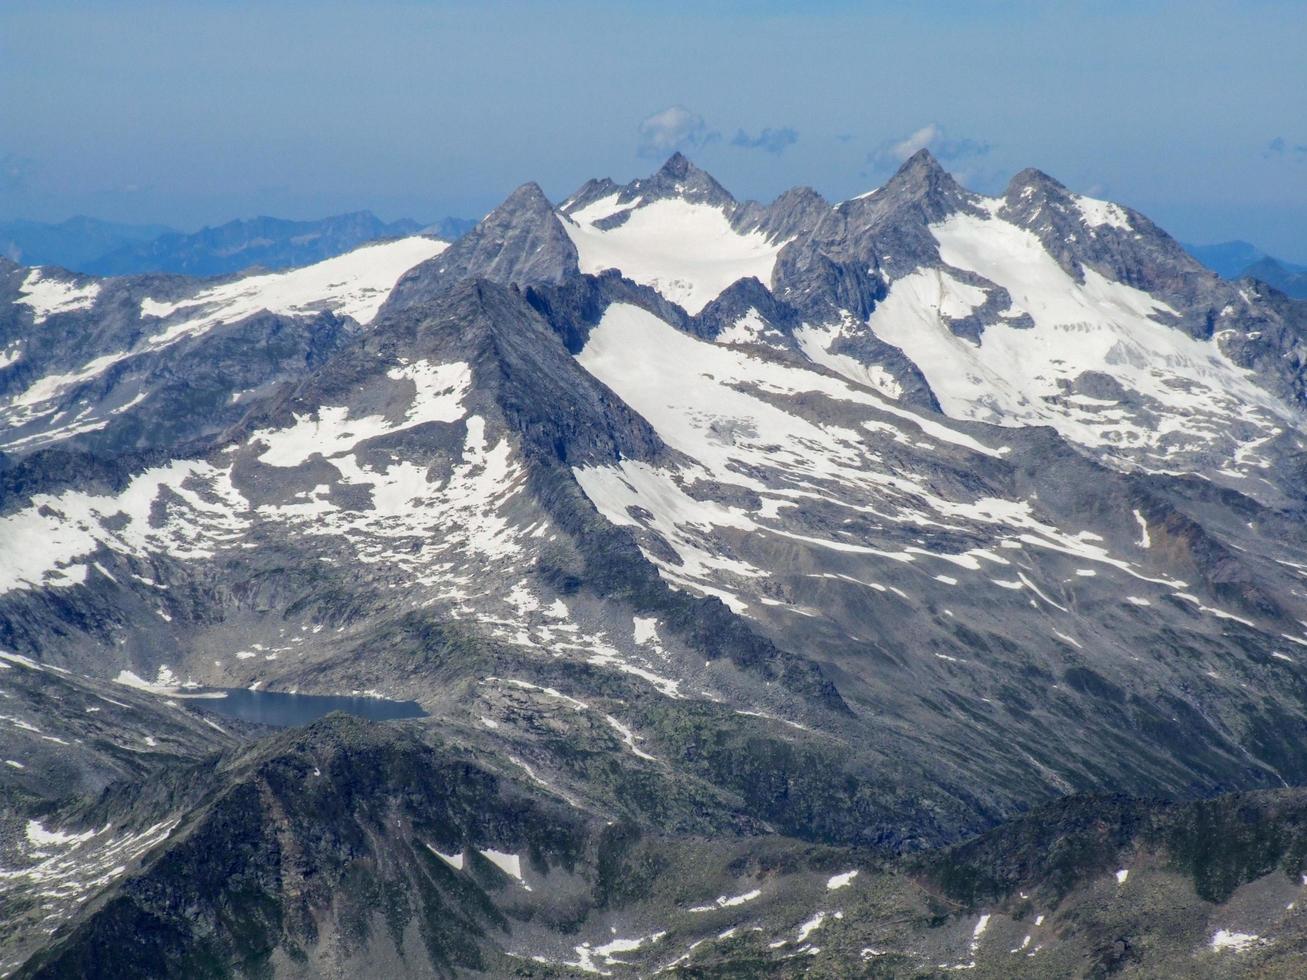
[[846, 532]]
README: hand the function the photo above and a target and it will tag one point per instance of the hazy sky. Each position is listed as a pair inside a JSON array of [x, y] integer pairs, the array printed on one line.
[[191, 113]]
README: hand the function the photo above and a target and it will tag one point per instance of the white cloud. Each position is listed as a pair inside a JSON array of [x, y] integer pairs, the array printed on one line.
[[674, 128], [919, 140], [929, 137]]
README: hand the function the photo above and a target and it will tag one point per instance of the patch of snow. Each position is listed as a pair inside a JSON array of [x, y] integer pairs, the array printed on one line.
[[811, 926], [354, 284], [38, 835], [47, 296], [440, 392], [687, 252], [510, 864], [455, 861], [607, 953], [723, 902], [629, 737], [1145, 541], [646, 629], [1099, 214], [750, 328], [1237, 942]]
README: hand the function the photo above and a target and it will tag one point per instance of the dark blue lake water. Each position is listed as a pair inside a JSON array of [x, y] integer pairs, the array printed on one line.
[[286, 710]]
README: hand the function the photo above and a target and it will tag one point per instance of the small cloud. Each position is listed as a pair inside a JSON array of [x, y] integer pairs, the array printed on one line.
[[674, 128], [919, 140], [1280, 147], [769, 140], [932, 137]]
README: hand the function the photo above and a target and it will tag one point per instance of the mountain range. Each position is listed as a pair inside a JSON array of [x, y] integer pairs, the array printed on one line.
[[94, 247], [885, 587], [1241, 260]]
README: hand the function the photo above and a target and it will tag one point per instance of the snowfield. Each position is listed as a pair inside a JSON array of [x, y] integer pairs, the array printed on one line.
[[687, 252]]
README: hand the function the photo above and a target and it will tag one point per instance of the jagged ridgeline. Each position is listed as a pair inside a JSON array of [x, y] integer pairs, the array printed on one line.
[[879, 588]]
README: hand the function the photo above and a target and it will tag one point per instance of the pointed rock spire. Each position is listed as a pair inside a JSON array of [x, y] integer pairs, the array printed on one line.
[[1031, 181], [920, 185], [678, 166], [923, 164], [922, 177], [521, 242], [679, 178], [526, 199]]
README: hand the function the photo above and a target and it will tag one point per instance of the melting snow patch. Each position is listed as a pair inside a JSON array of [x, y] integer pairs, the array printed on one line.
[[1145, 540], [439, 398], [41, 837], [629, 737], [510, 864], [1100, 214], [18, 658], [455, 861], [841, 880], [811, 926], [646, 629], [723, 902], [1218, 613], [47, 297], [1068, 639], [607, 953], [1238, 942]]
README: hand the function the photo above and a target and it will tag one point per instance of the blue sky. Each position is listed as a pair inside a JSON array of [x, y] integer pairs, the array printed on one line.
[[190, 113]]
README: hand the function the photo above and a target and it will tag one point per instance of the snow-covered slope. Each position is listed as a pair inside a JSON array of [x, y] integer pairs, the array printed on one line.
[[94, 348], [1043, 307], [688, 252], [354, 285], [1099, 360], [47, 292]]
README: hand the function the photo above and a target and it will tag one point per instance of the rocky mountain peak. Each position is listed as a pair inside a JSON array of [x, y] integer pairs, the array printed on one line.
[[678, 166], [920, 185], [796, 212], [520, 242], [526, 199], [921, 178], [680, 178], [922, 164], [1032, 180]]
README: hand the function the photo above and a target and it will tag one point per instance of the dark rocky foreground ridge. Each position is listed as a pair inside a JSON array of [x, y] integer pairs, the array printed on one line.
[[352, 847], [728, 547]]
